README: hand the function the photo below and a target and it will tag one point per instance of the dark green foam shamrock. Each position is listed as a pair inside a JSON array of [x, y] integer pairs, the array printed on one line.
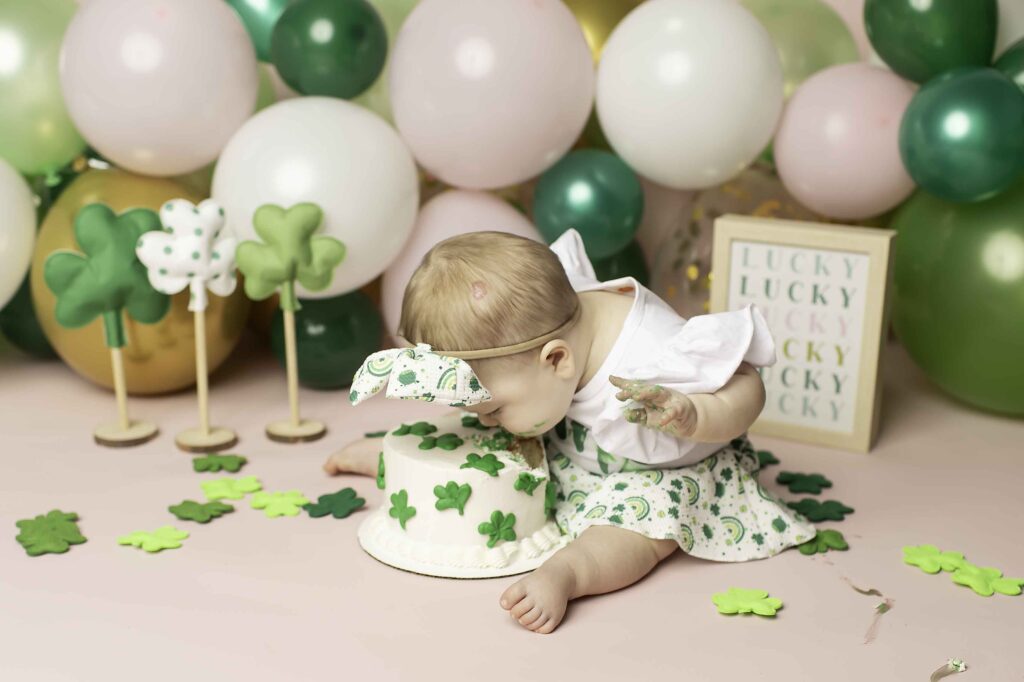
[[200, 513], [447, 441], [452, 496], [527, 483], [803, 483], [108, 279], [489, 464], [339, 504], [400, 508], [815, 511], [290, 252], [375, 434], [764, 458], [823, 542], [215, 463], [500, 527], [53, 533]]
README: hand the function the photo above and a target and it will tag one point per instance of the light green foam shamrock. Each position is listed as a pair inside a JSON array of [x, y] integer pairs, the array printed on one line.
[[165, 537], [289, 252], [230, 488], [739, 600], [986, 581], [931, 559], [107, 278], [288, 503]]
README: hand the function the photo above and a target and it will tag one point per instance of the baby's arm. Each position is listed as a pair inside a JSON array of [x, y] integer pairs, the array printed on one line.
[[705, 417]]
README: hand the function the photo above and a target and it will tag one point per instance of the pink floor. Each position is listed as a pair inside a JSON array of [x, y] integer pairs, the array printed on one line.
[[290, 599]]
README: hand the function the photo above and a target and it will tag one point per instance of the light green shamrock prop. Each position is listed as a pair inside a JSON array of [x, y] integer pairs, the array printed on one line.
[[288, 503], [931, 559], [230, 488], [165, 537], [289, 252], [740, 600], [107, 280]]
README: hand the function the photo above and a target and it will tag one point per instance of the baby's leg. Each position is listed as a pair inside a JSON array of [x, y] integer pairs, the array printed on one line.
[[602, 559], [358, 457]]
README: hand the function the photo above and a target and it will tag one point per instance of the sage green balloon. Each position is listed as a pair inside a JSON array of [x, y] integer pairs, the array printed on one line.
[[920, 39], [36, 133], [962, 136], [809, 35], [376, 97], [959, 295], [1011, 62], [259, 17]]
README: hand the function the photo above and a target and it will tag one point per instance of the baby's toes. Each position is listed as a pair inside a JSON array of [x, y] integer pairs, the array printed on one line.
[[548, 626], [539, 623], [531, 617], [525, 605], [512, 596]]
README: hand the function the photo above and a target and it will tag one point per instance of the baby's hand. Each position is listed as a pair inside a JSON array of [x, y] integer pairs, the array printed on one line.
[[663, 408]]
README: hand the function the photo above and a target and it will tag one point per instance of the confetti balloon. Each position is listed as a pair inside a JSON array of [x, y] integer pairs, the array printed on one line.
[[160, 357]]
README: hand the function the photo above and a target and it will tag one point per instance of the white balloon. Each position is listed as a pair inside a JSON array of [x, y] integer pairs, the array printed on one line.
[[17, 230], [689, 91], [337, 155], [1011, 24], [156, 86]]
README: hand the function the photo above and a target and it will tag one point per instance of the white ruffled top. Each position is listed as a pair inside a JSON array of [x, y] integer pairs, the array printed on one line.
[[656, 345]]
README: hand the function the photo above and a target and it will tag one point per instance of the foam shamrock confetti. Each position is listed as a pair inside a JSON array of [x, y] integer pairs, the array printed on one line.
[[527, 483], [215, 463], [165, 537], [500, 527], [189, 252], [986, 581], [417, 429], [52, 533], [446, 441], [339, 505], [488, 464], [765, 458], [824, 541], [815, 511], [375, 434], [803, 483], [108, 279], [230, 488], [190, 510], [400, 508], [452, 496], [290, 252], [739, 600], [931, 559], [288, 503]]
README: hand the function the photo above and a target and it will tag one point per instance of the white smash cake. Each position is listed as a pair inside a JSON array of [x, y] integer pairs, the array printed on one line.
[[462, 501]]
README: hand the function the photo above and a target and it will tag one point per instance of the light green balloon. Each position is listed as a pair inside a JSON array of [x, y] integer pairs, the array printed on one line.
[[376, 97], [809, 35], [36, 133]]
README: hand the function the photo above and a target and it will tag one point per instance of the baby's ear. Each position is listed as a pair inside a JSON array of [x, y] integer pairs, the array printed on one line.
[[558, 355]]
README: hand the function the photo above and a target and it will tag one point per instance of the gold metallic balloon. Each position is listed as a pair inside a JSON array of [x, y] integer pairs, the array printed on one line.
[[159, 358], [598, 18]]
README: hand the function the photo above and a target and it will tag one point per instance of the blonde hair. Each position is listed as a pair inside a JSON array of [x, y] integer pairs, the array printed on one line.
[[484, 290]]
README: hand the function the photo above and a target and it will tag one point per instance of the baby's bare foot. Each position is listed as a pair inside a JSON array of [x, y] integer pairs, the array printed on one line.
[[539, 600], [358, 457]]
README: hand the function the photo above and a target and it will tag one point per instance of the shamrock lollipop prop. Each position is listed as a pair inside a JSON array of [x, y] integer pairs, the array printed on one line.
[[290, 252], [189, 253], [108, 281]]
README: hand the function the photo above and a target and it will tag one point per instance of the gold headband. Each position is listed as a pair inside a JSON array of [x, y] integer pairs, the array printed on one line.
[[502, 351]]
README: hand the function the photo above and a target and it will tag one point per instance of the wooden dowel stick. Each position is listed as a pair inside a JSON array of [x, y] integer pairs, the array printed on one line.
[[202, 380], [120, 390], [291, 364]]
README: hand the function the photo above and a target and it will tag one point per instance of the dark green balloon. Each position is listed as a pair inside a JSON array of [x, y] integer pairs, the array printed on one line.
[[1011, 62], [19, 324], [335, 48], [962, 137], [959, 295], [332, 338], [922, 39], [593, 134], [594, 192], [259, 17], [629, 262]]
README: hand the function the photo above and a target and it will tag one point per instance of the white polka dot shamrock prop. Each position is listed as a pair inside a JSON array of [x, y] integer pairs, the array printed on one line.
[[107, 281], [190, 252], [289, 252]]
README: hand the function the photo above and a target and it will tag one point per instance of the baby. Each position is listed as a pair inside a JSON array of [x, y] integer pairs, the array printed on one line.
[[643, 413]]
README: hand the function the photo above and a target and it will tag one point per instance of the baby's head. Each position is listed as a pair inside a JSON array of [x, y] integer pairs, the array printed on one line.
[[492, 289]]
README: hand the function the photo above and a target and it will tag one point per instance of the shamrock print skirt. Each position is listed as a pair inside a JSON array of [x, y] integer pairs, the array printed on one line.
[[715, 509]]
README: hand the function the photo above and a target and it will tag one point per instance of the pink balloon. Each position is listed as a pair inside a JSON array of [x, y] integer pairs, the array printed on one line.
[[837, 147], [449, 214], [490, 93]]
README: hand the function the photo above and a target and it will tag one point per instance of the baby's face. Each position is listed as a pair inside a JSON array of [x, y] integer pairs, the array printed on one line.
[[528, 398]]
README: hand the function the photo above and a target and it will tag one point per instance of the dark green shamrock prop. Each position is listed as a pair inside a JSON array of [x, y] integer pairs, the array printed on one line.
[[107, 280], [53, 533], [815, 511], [289, 253], [190, 510], [339, 505], [215, 463], [489, 463], [803, 483], [765, 458], [400, 508], [375, 434], [824, 541], [500, 527], [452, 496]]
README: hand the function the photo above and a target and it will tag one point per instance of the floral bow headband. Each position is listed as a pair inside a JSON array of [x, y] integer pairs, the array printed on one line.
[[421, 373]]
